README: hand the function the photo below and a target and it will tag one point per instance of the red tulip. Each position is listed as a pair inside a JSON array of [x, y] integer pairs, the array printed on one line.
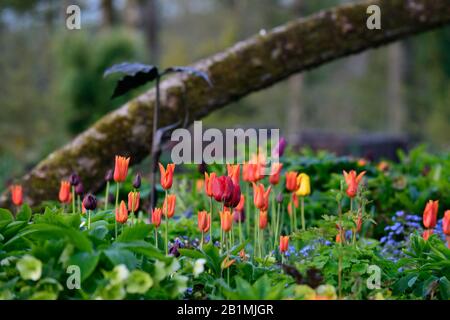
[[204, 221], [284, 243], [209, 182], [235, 197], [169, 205], [233, 171], [292, 183], [166, 175], [226, 220], [430, 214], [133, 201], [446, 223], [261, 197], [156, 217], [352, 180], [262, 219], [122, 213], [17, 195], [222, 188], [274, 177], [121, 169], [65, 196]]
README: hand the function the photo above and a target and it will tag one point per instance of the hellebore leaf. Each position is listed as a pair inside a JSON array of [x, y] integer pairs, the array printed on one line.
[[86, 261], [24, 213], [136, 75], [6, 216], [190, 70]]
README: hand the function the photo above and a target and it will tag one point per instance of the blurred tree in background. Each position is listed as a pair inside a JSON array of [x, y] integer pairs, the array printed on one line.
[[52, 85]]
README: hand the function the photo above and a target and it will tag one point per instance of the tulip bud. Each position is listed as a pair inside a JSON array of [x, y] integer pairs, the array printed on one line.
[[279, 197], [90, 202], [74, 179], [79, 189], [109, 175], [137, 181]]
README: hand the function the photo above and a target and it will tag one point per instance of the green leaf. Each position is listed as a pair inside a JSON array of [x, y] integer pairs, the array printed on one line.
[[403, 283], [86, 261], [6, 216], [444, 288], [135, 232], [14, 227], [43, 231], [142, 247], [24, 213], [121, 256]]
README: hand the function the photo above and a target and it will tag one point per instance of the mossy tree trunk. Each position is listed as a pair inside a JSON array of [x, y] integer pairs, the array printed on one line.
[[248, 66]]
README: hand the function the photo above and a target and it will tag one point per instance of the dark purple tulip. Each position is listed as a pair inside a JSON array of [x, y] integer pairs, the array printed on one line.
[[74, 179], [137, 181], [79, 189], [90, 202], [235, 198], [109, 175], [279, 198], [278, 150], [238, 216], [202, 168]]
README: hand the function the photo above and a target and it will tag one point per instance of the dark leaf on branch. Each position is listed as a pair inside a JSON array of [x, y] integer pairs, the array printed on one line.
[[136, 75], [192, 71]]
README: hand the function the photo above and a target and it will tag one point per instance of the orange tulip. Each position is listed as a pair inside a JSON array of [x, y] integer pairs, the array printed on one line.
[[241, 203], [446, 223], [204, 221], [65, 196], [121, 169], [275, 170], [199, 184], [226, 220], [234, 172], [261, 197], [169, 205], [133, 201], [122, 213], [430, 214], [227, 262], [156, 217], [292, 183], [209, 182], [251, 172], [166, 175], [262, 219], [17, 195], [352, 180], [284, 243], [338, 238], [427, 233]]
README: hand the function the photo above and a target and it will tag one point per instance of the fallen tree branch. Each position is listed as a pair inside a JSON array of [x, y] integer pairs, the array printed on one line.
[[248, 66]]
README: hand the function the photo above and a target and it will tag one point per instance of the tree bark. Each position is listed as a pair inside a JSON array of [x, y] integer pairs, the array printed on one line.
[[248, 66]]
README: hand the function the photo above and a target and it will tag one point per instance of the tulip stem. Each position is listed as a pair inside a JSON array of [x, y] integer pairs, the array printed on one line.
[[79, 204], [117, 206], [107, 195], [273, 222], [294, 210], [211, 221], [261, 246], [255, 232], [89, 219], [240, 227], [302, 201], [73, 199], [247, 209], [167, 224], [201, 241], [277, 227], [156, 238]]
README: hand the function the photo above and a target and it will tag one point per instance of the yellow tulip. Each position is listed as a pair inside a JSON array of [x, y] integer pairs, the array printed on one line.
[[305, 186]]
